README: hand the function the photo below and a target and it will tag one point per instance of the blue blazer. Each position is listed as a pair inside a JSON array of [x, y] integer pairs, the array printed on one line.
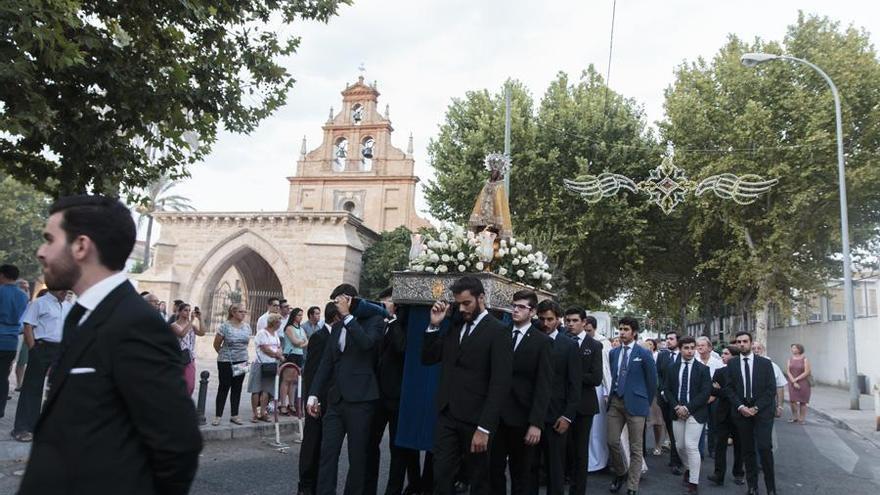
[[641, 379]]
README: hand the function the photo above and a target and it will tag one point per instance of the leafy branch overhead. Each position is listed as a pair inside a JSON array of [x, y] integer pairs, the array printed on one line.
[[89, 88]]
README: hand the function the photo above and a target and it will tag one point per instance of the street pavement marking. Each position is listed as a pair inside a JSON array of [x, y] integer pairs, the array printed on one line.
[[833, 448]]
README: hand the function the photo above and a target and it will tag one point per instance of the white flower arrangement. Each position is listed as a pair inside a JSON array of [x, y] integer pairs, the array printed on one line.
[[455, 250]]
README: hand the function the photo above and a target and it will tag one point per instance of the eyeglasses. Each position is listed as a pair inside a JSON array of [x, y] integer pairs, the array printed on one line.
[[274, 305], [523, 307]]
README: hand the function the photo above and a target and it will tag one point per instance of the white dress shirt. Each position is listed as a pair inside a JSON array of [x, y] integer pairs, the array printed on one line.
[[263, 321], [742, 371], [623, 350], [579, 338], [46, 315], [713, 363], [343, 333], [522, 333], [681, 375], [554, 334], [92, 297]]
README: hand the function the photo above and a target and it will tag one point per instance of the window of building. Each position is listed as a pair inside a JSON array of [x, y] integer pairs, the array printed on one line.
[[340, 154], [836, 308]]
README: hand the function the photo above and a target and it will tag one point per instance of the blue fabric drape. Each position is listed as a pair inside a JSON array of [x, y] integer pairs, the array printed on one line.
[[415, 425]]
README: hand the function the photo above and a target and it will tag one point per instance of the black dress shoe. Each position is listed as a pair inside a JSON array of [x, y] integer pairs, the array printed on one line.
[[676, 470], [752, 491], [460, 487], [717, 480], [632, 492], [616, 483], [739, 480]]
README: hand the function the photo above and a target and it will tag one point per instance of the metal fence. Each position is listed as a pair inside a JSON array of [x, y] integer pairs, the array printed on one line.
[[254, 301]]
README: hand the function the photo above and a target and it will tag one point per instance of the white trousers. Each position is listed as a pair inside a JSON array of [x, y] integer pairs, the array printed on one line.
[[687, 441]]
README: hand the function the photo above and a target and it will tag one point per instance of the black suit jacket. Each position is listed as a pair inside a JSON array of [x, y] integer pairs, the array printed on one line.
[[350, 375], [124, 422], [664, 362], [317, 344], [475, 375], [526, 404], [722, 409], [565, 389], [591, 375], [391, 359], [699, 389], [763, 387]]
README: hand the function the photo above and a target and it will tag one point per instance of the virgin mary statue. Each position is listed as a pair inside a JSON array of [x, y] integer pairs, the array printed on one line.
[[492, 210]]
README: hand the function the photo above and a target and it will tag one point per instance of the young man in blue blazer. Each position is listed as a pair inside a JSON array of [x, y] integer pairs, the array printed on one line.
[[633, 386]]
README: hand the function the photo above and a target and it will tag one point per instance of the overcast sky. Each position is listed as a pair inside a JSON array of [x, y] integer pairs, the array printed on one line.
[[424, 53]]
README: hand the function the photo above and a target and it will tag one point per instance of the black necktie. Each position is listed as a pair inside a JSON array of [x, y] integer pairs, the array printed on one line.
[[683, 389], [72, 322], [748, 379], [465, 332], [515, 336]]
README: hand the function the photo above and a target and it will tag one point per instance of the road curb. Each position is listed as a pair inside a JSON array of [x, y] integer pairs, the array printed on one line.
[[230, 432], [843, 424], [11, 450]]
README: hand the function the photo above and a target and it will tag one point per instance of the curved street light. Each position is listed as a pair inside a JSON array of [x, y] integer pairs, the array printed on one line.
[[752, 60]]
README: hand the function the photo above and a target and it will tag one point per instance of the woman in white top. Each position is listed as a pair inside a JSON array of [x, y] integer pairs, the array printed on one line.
[[268, 350], [186, 327]]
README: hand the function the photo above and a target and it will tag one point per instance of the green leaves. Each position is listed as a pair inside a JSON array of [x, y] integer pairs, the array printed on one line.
[[390, 253], [89, 88], [23, 213]]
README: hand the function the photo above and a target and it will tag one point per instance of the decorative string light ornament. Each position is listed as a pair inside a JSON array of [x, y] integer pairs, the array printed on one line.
[[667, 185]]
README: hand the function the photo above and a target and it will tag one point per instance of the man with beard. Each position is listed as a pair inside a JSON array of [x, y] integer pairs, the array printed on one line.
[[590, 353], [476, 360], [119, 374], [525, 407]]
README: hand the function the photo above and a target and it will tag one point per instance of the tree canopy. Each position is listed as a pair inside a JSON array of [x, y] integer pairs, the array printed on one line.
[[89, 88], [389, 253], [23, 213]]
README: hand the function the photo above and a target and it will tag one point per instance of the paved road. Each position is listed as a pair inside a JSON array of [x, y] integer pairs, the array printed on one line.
[[817, 458]]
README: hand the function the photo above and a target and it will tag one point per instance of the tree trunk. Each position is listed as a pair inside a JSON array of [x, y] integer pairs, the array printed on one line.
[[684, 323], [146, 263], [762, 323]]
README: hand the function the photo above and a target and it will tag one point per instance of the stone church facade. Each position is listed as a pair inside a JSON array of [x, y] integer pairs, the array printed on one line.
[[352, 186]]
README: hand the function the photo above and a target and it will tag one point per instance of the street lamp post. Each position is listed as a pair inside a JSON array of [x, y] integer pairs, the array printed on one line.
[[753, 59]]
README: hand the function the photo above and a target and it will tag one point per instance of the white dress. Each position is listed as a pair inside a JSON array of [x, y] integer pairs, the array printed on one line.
[[598, 434]]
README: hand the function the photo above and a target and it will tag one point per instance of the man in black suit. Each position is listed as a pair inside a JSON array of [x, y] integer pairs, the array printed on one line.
[[724, 426], [525, 407], [687, 389], [390, 372], [565, 396], [310, 448], [347, 372], [590, 352], [665, 360], [117, 418], [751, 390], [476, 359]]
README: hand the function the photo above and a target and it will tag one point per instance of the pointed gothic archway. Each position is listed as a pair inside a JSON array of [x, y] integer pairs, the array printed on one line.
[[262, 269]]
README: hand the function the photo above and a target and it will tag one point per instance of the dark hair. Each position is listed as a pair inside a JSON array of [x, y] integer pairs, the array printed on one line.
[[799, 347], [347, 289], [104, 220], [576, 310], [294, 312], [269, 301], [10, 271], [470, 284], [386, 293], [42, 292], [549, 305], [177, 302], [144, 293], [282, 301], [733, 350], [742, 332], [687, 339], [591, 320], [672, 332], [527, 295], [630, 322], [312, 310], [182, 306], [330, 312]]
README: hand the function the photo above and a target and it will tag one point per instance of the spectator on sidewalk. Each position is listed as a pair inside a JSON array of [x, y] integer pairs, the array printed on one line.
[[152, 300], [186, 327], [262, 383], [293, 343], [173, 315], [43, 325], [799, 372], [273, 306], [13, 303], [231, 343]]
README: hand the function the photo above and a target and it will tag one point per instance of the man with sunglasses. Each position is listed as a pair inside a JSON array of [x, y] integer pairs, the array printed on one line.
[[273, 305]]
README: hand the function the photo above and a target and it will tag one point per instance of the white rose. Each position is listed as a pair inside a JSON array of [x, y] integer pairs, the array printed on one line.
[[528, 247], [435, 258], [536, 275], [515, 261], [514, 251], [442, 269], [461, 268], [418, 268], [520, 273], [443, 237], [461, 256], [453, 246], [546, 276], [502, 271], [445, 258], [480, 265], [548, 286], [503, 243], [429, 269], [531, 257], [520, 245]]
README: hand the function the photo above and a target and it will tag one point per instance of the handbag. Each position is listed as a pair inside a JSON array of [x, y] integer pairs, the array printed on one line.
[[239, 369], [268, 369], [185, 356]]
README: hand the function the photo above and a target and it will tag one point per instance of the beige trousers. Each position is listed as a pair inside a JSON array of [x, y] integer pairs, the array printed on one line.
[[617, 419]]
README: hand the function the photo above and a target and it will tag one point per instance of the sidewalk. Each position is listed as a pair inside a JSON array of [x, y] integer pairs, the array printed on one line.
[[289, 427], [833, 404]]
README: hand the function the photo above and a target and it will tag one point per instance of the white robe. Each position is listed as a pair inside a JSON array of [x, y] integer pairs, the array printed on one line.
[[598, 434]]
